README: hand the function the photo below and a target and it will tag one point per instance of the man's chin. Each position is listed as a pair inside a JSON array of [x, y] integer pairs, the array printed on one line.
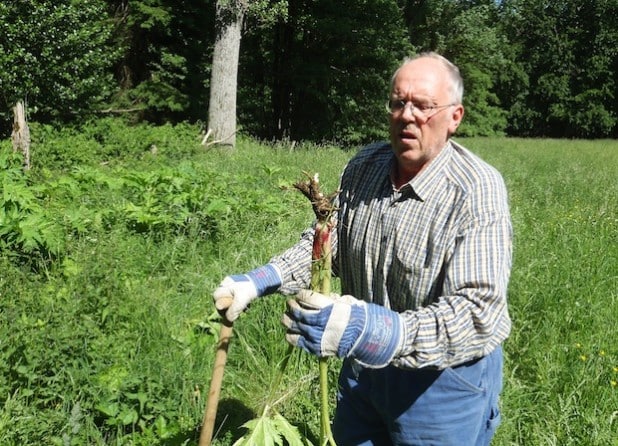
[[406, 145]]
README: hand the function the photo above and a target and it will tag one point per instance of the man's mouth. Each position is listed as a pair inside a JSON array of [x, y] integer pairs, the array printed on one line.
[[407, 134]]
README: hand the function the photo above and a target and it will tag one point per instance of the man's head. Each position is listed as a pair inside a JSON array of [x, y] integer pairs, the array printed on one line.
[[425, 110]]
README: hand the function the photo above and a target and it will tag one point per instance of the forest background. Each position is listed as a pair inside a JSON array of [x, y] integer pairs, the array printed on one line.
[[313, 70]]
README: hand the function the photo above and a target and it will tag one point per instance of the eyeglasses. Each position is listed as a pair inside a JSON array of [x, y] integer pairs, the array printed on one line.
[[396, 107]]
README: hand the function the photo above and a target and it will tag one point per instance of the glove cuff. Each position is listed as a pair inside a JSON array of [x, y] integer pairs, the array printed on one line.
[[380, 340], [267, 279]]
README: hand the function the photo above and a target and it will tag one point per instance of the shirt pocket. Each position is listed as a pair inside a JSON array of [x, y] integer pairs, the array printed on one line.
[[416, 273], [409, 280]]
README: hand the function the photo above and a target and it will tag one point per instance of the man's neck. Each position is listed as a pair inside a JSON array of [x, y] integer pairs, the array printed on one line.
[[400, 177]]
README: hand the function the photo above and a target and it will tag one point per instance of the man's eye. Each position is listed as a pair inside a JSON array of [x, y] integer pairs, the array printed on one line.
[[397, 104]]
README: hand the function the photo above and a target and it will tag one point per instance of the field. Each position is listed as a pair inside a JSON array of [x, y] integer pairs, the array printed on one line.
[[111, 246], [562, 356]]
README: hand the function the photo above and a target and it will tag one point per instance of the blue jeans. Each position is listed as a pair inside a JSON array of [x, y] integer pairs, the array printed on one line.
[[453, 407]]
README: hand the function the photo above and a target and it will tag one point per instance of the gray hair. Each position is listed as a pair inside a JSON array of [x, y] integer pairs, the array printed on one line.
[[457, 87]]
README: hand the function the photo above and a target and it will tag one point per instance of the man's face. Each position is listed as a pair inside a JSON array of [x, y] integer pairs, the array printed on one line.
[[417, 136]]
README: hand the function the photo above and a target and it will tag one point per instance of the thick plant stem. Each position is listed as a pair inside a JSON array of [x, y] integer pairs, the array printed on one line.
[[321, 271], [320, 281], [326, 434], [321, 266]]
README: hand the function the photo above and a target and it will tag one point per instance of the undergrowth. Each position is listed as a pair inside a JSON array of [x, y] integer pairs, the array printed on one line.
[[111, 245]]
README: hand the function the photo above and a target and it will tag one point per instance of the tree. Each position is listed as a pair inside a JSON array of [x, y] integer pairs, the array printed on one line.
[[569, 51], [224, 75], [226, 54], [166, 55], [321, 73], [476, 47], [56, 56]]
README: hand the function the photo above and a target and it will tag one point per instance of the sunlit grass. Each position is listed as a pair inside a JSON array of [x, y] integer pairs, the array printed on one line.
[[561, 357], [128, 306]]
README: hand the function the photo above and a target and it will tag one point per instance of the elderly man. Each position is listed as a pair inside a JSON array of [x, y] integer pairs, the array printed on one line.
[[423, 249]]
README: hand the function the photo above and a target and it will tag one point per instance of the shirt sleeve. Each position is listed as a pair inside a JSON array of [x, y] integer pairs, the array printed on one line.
[[470, 319], [295, 262]]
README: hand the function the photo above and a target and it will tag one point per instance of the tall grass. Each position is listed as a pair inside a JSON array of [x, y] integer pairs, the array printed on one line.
[[124, 325], [562, 357], [561, 369]]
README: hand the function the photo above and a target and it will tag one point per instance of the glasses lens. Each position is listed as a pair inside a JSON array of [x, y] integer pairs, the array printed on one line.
[[395, 106]]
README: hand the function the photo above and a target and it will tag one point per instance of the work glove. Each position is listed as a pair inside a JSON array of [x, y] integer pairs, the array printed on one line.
[[236, 292], [344, 326]]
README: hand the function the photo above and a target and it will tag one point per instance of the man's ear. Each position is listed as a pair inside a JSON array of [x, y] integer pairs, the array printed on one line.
[[456, 116]]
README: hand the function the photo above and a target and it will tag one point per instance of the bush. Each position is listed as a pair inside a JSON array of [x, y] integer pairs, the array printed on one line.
[[35, 39]]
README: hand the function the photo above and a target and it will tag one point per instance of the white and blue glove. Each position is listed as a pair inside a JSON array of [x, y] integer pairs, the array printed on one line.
[[344, 326], [236, 292]]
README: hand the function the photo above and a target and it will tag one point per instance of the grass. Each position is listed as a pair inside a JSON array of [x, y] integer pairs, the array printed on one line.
[[115, 344], [562, 357]]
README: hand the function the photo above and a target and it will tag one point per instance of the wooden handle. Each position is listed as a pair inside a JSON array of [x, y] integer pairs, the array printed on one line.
[[225, 334], [210, 414]]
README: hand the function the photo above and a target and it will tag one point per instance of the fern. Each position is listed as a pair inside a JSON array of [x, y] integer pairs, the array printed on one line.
[[26, 227]]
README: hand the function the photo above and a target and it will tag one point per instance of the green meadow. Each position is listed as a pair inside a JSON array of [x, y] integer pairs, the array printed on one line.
[[111, 246]]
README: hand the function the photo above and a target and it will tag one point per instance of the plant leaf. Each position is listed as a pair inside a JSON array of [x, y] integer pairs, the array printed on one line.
[[288, 431], [262, 431]]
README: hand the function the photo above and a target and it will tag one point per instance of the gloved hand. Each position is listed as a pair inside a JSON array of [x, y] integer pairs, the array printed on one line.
[[236, 292], [344, 326]]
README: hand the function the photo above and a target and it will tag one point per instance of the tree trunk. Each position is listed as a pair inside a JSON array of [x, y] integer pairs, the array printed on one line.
[[21, 133], [224, 75]]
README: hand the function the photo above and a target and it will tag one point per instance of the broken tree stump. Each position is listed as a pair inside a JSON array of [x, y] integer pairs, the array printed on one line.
[[21, 133]]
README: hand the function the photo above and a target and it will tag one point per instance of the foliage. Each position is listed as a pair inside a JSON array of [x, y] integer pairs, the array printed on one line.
[[266, 13], [112, 340], [73, 347], [473, 33], [41, 211], [321, 74], [26, 231], [270, 431], [271, 428], [57, 56], [108, 141], [165, 67], [316, 70], [569, 54]]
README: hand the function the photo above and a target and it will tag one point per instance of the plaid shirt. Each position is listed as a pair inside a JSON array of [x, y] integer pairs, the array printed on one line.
[[438, 251]]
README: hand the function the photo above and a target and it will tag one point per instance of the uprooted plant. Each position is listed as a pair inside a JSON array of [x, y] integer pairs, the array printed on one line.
[[270, 427], [321, 271]]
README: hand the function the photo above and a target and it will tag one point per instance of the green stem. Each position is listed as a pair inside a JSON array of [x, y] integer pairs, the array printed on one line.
[[326, 434], [321, 270], [320, 281]]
